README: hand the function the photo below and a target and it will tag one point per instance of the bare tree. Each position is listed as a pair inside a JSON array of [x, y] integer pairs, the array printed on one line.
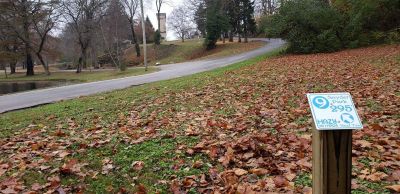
[[267, 7], [84, 16], [17, 17], [42, 25], [180, 21], [130, 9], [114, 32], [10, 49]]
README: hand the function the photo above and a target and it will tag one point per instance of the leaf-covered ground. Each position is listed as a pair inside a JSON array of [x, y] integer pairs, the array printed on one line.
[[241, 129]]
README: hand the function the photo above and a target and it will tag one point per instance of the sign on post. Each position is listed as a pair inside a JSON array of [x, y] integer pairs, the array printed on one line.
[[334, 116], [334, 111]]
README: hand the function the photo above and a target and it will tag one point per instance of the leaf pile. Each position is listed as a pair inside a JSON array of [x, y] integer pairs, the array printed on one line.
[[252, 125]]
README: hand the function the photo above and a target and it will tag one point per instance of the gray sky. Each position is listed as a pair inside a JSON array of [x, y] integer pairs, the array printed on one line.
[[150, 10]]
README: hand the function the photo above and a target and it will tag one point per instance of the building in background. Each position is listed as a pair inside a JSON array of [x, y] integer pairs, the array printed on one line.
[[163, 25]]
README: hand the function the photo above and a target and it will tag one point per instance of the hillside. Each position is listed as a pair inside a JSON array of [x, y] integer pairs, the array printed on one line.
[[176, 51]]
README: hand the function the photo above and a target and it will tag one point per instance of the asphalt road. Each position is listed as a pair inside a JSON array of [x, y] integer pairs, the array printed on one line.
[[44, 96]]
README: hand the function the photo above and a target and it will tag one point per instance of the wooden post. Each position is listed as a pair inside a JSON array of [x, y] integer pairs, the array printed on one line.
[[331, 161]]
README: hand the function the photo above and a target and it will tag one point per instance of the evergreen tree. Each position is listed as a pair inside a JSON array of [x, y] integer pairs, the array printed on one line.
[[157, 37], [216, 23], [200, 18], [233, 13], [247, 16]]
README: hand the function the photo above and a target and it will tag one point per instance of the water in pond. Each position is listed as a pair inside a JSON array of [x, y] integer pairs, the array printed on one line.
[[13, 87]]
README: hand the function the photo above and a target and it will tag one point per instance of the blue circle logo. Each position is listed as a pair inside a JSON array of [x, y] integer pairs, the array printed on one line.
[[321, 102], [347, 118]]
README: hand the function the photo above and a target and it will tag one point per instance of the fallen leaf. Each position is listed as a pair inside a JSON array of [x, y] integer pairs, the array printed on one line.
[[280, 181], [137, 165], [395, 188], [240, 172], [377, 176]]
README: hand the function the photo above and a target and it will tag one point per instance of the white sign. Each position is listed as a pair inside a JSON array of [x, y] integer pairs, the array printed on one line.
[[334, 111]]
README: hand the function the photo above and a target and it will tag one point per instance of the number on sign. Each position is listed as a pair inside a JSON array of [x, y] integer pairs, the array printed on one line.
[[341, 108]]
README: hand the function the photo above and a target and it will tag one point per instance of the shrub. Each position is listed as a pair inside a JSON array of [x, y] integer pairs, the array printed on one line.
[[309, 26], [157, 37], [315, 26]]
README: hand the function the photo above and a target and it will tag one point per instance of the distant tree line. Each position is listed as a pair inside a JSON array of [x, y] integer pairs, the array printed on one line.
[[92, 30], [101, 27], [224, 19], [329, 25]]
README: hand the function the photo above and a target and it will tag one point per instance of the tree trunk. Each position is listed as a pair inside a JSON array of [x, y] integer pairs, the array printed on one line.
[[240, 38], [245, 33], [223, 37], [13, 66], [94, 59], [230, 36], [44, 64], [29, 65], [78, 68], [5, 70], [158, 21], [135, 39], [82, 61]]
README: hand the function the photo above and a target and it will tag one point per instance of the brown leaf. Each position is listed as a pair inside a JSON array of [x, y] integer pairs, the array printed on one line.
[[137, 165], [304, 163], [377, 127], [190, 151], [67, 168], [36, 187], [259, 171], [363, 143], [394, 176], [141, 189], [175, 188], [395, 188], [280, 181], [4, 168], [197, 164], [240, 172], [377, 176], [225, 160], [189, 182], [290, 176]]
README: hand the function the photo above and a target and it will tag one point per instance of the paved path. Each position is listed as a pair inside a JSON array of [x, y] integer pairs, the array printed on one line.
[[44, 96]]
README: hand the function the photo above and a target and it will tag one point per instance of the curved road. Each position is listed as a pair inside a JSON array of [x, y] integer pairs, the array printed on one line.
[[44, 96]]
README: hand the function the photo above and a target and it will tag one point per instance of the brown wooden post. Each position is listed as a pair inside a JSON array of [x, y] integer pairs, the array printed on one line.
[[331, 161]]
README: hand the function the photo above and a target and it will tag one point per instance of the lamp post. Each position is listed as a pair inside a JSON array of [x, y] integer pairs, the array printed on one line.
[[144, 36]]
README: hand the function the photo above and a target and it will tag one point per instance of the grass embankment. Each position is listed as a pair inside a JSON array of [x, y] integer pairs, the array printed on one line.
[[239, 128], [85, 76], [176, 51]]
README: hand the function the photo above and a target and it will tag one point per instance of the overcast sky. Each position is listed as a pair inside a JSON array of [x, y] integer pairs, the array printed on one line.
[[150, 10]]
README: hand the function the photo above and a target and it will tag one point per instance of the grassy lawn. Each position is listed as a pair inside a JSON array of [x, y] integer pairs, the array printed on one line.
[[235, 129], [85, 76], [177, 51]]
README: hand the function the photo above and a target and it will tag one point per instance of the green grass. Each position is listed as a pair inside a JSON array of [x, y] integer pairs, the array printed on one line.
[[108, 105], [379, 188], [177, 51], [85, 76], [158, 156], [303, 180]]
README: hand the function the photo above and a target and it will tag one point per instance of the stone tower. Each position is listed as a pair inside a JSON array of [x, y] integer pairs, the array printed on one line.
[[163, 26]]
